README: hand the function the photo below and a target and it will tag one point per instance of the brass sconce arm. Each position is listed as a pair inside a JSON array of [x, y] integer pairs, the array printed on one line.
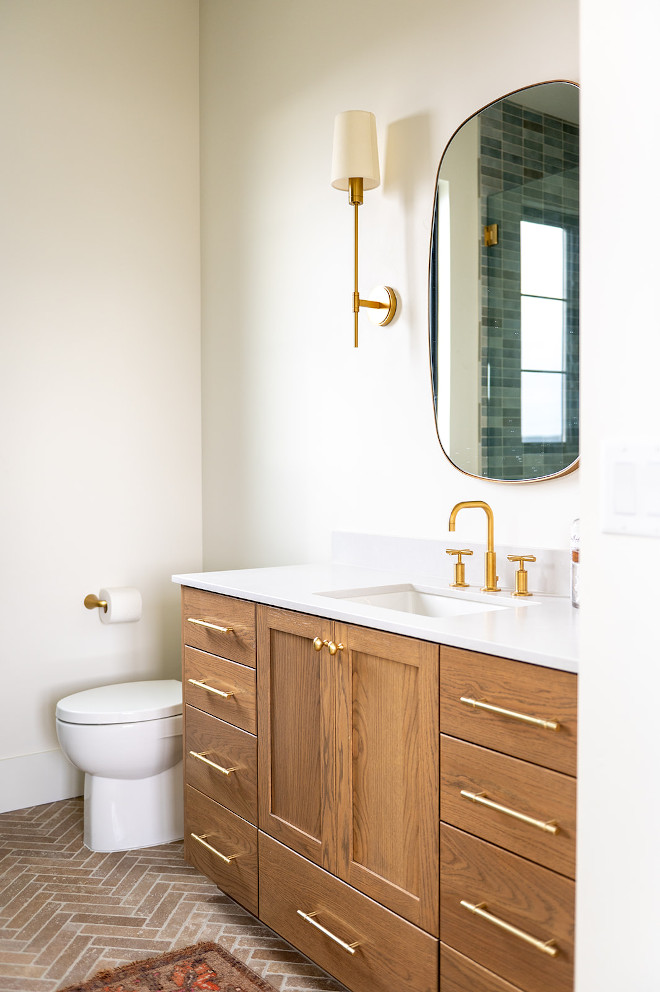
[[355, 199]]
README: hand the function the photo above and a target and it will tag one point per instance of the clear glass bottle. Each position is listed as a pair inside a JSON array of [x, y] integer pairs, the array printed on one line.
[[575, 563]]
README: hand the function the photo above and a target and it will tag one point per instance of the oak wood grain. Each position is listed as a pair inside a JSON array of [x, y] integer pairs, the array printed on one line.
[[518, 785], [524, 895], [230, 835], [230, 748], [220, 673], [239, 644], [460, 974], [297, 734], [541, 692], [392, 953], [388, 783]]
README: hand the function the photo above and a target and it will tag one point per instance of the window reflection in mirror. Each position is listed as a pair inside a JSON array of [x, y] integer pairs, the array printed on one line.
[[503, 289], [542, 333]]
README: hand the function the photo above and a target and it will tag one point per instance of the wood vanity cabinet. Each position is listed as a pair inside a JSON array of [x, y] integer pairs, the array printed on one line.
[[403, 813], [507, 840]]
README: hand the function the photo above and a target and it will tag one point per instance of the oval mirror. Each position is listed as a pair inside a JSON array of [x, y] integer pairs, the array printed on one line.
[[503, 288]]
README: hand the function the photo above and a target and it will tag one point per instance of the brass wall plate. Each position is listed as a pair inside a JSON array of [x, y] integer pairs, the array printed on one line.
[[387, 298]]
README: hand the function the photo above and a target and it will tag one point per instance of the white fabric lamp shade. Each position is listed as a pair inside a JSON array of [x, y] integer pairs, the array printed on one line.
[[355, 150]]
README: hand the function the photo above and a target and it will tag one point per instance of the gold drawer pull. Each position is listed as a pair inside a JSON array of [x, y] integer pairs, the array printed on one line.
[[207, 761], [209, 688], [309, 918], [201, 838], [545, 946], [535, 720], [549, 826], [212, 626]]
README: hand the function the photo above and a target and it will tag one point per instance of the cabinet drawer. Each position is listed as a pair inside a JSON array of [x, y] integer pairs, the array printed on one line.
[[228, 835], [460, 974], [536, 902], [390, 953], [220, 675], [545, 797], [219, 624], [524, 692], [234, 782]]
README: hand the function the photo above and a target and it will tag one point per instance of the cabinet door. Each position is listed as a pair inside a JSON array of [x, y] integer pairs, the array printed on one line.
[[388, 781], [296, 689]]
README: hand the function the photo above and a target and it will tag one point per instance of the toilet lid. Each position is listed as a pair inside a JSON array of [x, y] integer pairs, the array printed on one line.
[[129, 702]]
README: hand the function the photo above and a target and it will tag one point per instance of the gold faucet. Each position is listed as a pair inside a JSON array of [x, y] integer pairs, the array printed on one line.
[[490, 561]]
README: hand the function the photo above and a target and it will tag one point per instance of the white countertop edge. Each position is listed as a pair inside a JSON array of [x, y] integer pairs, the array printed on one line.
[[542, 631]]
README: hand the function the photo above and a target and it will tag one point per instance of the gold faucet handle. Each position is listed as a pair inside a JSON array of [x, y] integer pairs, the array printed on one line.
[[521, 574], [459, 568]]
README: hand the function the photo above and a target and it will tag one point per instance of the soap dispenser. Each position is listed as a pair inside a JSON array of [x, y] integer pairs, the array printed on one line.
[[575, 563]]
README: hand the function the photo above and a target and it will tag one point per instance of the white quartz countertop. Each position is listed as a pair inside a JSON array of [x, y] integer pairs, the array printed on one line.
[[541, 630]]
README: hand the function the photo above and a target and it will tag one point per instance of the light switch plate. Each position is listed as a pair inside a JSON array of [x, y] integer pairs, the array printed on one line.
[[631, 487]]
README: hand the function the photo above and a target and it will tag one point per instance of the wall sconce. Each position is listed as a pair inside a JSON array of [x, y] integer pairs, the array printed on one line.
[[355, 168]]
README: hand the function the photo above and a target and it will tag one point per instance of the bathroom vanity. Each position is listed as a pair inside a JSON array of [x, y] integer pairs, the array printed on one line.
[[391, 792], [379, 766]]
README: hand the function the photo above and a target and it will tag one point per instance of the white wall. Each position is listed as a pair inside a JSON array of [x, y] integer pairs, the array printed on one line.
[[99, 363], [303, 434], [618, 800]]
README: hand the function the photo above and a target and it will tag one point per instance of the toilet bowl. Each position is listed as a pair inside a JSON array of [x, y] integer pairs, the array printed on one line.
[[127, 739]]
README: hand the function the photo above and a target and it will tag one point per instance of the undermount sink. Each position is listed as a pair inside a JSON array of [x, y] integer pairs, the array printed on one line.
[[420, 600]]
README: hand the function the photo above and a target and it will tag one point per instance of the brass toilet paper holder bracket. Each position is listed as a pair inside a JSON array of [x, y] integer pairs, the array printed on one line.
[[92, 602]]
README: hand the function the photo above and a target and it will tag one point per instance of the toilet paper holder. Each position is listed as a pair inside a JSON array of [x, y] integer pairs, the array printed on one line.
[[116, 604], [92, 601]]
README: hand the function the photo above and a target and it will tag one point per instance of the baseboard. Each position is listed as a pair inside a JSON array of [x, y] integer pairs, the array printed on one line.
[[35, 779]]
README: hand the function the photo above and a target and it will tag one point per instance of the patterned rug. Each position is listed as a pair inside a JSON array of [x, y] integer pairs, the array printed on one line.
[[202, 968]]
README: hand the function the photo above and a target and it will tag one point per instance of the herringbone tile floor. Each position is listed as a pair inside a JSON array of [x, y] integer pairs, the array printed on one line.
[[66, 912]]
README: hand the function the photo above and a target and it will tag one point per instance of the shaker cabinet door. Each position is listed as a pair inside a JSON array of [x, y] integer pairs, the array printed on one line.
[[296, 733], [348, 755], [388, 780]]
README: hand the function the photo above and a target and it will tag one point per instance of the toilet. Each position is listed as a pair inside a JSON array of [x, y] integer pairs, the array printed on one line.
[[127, 739]]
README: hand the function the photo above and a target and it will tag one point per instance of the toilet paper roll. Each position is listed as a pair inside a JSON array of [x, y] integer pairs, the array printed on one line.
[[124, 605]]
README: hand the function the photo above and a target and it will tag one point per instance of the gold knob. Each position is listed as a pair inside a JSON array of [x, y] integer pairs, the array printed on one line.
[[459, 568], [330, 645]]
